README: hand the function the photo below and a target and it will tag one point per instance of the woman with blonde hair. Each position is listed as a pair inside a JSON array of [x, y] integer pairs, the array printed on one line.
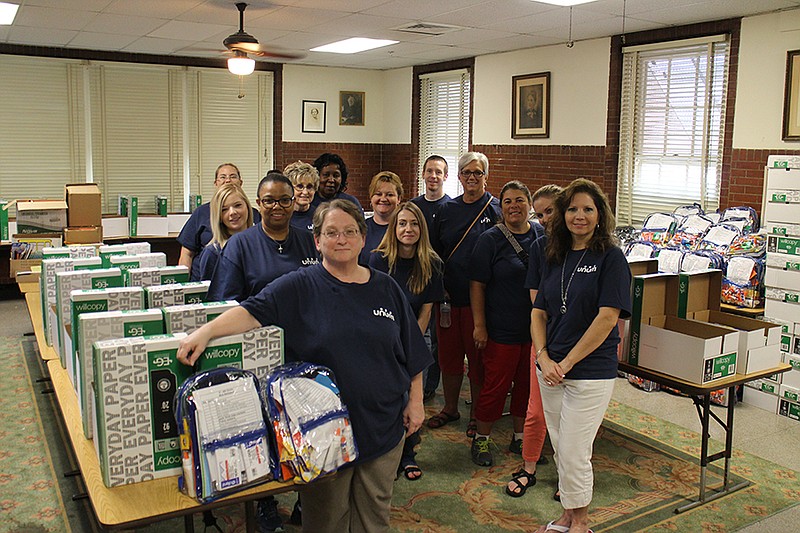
[[406, 254], [385, 193], [305, 180], [230, 213]]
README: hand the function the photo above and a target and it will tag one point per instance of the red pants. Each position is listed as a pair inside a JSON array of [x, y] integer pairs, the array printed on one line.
[[504, 364], [455, 342], [535, 426]]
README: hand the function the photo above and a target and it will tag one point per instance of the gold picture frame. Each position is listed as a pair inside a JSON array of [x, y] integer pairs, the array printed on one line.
[[530, 106], [351, 108], [791, 97]]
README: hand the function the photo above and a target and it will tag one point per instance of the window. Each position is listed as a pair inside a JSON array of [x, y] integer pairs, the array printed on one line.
[[671, 126], [444, 122]]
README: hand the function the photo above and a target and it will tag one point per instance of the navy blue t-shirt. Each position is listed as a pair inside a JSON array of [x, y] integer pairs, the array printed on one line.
[[453, 219], [601, 280], [339, 195], [196, 233], [304, 219], [535, 267], [251, 260], [429, 209], [433, 291], [364, 332], [508, 303], [207, 262], [375, 233]]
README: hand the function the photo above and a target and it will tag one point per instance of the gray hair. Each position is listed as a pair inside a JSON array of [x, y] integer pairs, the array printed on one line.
[[469, 157]]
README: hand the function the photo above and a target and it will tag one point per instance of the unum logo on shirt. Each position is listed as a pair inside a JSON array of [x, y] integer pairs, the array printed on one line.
[[309, 261], [485, 220], [587, 269], [384, 313]]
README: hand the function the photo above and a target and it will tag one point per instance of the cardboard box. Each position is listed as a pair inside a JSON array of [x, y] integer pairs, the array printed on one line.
[[176, 221], [792, 377], [780, 294], [176, 294], [785, 279], [115, 226], [642, 265], [129, 207], [102, 326], [41, 216], [74, 252], [187, 318], [195, 201], [135, 433], [759, 342], [786, 213], [19, 266], [763, 400], [131, 248], [783, 261], [654, 295], [161, 205], [784, 245], [94, 301], [698, 291], [47, 287], [258, 350], [84, 207], [32, 246], [153, 225], [764, 385], [782, 228], [789, 409], [83, 235], [126, 262], [787, 312], [147, 276], [5, 235]]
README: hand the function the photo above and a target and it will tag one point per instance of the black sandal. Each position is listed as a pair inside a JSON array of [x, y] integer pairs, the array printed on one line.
[[530, 481], [409, 469]]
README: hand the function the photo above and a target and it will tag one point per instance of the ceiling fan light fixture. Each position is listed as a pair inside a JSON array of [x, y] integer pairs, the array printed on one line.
[[241, 65]]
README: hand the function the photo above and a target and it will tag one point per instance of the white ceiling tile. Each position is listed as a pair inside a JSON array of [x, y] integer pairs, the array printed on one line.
[[478, 15], [51, 17], [87, 5], [125, 24], [4, 31], [187, 31], [419, 9], [347, 6], [358, 25], [154, 8], [222, 12], [101, 41], [298, 40], [463, 37], [514, 43], [295, 18], [152, 45], [40, 36]]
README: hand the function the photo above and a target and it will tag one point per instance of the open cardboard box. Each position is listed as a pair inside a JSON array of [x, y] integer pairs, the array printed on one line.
[[685, 349], [759, 341], [83, 204]]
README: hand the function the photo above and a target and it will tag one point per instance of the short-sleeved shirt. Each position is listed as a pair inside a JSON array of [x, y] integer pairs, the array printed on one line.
[[304, 219], [535, 267], [251, 260], [430, 208], [339, 195], [196, 233], [450, 224], [433, 291], [364, 332], [508, 304], [375, 233], [207, 262], [600, 280]]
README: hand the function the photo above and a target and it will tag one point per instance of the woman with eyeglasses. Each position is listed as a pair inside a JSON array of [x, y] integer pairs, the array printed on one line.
[[459, 224], [377, 356], [385, 193], [258, 255], [305, 180]]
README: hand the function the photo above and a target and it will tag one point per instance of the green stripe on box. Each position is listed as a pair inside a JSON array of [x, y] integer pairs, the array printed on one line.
[[636, 320]]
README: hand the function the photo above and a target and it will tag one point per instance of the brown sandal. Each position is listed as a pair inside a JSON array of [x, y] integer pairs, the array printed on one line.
[[442, 418]]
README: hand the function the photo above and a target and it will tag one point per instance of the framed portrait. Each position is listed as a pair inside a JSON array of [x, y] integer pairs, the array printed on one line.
[[791, 97], [530, 106], [351, 108], [314, 116]]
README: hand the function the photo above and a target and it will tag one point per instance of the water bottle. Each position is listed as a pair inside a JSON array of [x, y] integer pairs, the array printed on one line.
[[444, 314]]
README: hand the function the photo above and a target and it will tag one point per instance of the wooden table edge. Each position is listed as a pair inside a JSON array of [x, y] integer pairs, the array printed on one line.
[[698, 389]]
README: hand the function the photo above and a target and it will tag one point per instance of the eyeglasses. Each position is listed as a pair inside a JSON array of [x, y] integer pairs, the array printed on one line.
[[474, 173], [307, 186], [226, 178], [269, 203], [351, 233]]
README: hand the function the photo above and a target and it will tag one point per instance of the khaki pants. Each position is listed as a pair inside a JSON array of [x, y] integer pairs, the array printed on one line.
[[357, 500]]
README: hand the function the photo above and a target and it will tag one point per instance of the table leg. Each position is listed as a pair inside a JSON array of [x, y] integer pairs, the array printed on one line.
[[188, 523], [250, 516]]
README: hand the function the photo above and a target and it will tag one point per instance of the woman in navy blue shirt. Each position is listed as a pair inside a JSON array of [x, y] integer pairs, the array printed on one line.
[[385, 193], [305, 180], [230, 214], [332, 180], [584, 287]]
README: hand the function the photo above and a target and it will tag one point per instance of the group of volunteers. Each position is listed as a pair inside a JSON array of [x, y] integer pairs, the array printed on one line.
[[527, 288]]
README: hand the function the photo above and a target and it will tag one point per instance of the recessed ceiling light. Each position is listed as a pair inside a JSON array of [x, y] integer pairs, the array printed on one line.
[[564, 2], [7, 13], [353, 45]]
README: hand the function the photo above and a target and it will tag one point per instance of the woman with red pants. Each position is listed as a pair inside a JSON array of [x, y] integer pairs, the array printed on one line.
[[501, 313], [457, 227]]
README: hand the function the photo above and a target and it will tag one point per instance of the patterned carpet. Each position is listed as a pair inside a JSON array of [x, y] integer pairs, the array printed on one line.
[[643, 470]]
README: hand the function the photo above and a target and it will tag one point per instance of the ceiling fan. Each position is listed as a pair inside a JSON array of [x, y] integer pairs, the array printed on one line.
[[241, 44]]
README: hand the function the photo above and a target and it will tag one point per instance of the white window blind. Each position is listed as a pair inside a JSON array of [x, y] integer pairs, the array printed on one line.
[[444, 122], [671, 127]]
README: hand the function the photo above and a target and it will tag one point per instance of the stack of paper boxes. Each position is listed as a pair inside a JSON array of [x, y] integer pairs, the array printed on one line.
[[47, 287], [781, 215], [176, 294]]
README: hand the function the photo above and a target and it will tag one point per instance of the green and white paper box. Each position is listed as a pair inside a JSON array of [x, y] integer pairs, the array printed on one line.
[[783, 245], [176, 294], [131, 248], [73, 251], [161, 205], [127, 262], [259, 350], [94, 301], [148, 276], [135, 380], [129, 207], [103, 326], [47, 288], [187, 318], [195, 201], [4, 233], [66, 282]]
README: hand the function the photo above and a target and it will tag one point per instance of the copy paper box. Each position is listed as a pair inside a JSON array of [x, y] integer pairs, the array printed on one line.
[[784, 245], [131, 248], [654, 296], [66, 282], [689, 350], [785, 279], [74, 252], [115, 226], [93, 301], [161, 205], [761, 399], [129, 207], [787, 213], [176, 294], [783, 311], [47, 285], [782, 228], [780, 294], [153, 225], [135, 380], [783, 261], [698, 291], [147, 276], [83, 204], [126, 262], [41, 216], [95, 327], [83, 235], [792, 377], [195, 201], [187, 318], [759, 342], [789, 409], [259, 350], [790, 393], [176, 221], [786, 342], [4, 233]]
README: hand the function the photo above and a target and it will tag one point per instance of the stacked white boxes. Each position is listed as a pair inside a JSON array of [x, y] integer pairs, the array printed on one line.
[[74, 251], [188, 318], [47, 286], [95, 327], [149, 260], [176, 294], [66, 282], [781, 214], [147, 276], [131, 248], [259, 351]]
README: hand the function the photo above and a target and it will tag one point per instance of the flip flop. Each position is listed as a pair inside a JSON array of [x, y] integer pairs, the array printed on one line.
[[556, 527], [440, 419], [472, 428]]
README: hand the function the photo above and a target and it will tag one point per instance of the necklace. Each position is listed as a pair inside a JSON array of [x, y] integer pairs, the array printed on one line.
[[563, 291], [279, 243]]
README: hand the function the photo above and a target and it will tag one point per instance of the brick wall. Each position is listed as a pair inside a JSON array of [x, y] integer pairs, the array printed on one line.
[[747, 177]]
